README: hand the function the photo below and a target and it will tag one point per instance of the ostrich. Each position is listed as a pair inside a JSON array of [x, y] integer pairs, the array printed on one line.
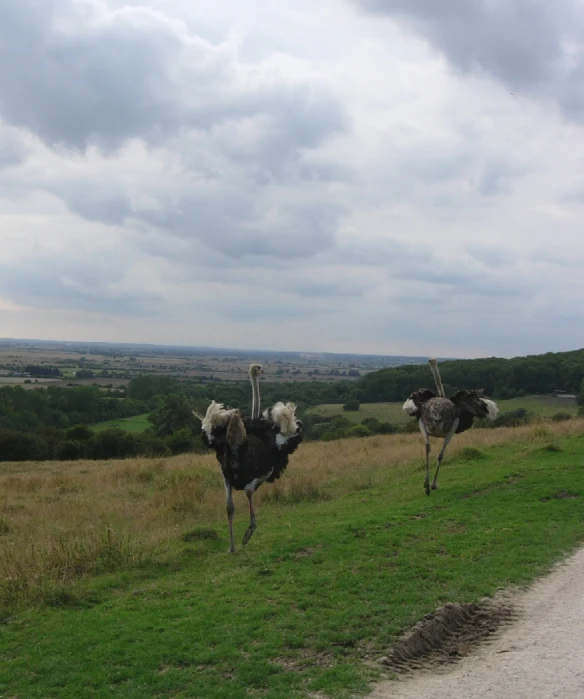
[[252, 450], [439, 416]]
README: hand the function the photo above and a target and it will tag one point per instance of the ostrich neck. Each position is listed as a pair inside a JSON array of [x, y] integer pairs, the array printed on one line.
[[255, 397], [437, 379]]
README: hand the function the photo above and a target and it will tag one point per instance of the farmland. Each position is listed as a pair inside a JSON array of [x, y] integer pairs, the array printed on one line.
[[116, 580], [136, 423], [109, 365]]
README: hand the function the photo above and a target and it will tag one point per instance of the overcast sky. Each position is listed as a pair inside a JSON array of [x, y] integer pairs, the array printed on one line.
[[376, 176]]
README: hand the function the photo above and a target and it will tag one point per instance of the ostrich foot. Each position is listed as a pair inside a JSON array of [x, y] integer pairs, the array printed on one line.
[[248, 534], [427, 487], [434, 486]]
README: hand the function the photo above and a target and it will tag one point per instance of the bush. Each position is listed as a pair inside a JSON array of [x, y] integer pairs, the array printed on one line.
[[70, 450], [512, 418], [112, 443], [358, 431], [376, 427], [22, 446], [561, 417], [79, 432], [372, 423], [386, 428], [352, 405], [180, 441]]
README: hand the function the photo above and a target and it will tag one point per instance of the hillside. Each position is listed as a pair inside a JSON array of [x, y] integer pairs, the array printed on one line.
[[116, 579], [501, 378]]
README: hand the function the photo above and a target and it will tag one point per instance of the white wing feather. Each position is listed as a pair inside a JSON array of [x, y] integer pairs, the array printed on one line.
[[409, 408]]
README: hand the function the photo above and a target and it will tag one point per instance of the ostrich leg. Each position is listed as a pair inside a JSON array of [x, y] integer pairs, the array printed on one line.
[[447, 439], [230, 510], [249, 491], [426, 436]]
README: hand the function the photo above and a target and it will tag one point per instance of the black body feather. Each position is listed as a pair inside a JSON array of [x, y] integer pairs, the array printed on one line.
[[258, 457]]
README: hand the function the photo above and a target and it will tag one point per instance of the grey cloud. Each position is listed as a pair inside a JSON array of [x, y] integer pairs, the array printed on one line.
[[462, 280], [234, 219], [520, 42], [387, 252], [75, 285], [492, 256], [558, 258], [13, 148], [79, 75], [107, 203]]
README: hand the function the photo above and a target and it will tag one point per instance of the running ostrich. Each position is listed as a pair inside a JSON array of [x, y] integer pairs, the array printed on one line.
[[252, 450], [439, 416]]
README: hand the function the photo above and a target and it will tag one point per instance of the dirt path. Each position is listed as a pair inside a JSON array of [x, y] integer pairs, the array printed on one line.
[[539, 656]]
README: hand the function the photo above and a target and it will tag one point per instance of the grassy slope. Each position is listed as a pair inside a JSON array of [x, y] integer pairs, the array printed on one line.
[[136, 423], [392, 412], [348, 552]]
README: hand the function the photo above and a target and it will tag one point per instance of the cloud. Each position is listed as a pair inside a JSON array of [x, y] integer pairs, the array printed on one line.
[[233, 174], [492, 256], [536, 47], [76, 287], [79, 73], [13, 147]]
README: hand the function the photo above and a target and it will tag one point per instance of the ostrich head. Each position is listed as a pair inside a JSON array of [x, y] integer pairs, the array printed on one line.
[[476, 404], [255, 370]]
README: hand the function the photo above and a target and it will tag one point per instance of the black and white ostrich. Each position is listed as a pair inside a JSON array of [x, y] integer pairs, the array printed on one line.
[[439, 416], [252, 450]]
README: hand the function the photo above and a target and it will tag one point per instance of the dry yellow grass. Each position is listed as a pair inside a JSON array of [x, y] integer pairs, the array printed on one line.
[[60, 521]]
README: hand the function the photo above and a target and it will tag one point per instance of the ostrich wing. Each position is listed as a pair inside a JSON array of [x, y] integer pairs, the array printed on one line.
[[413, 404]]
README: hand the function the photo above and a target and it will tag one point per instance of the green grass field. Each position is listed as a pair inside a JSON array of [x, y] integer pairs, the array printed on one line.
[[136, 423], [393, 413], [348, 552]]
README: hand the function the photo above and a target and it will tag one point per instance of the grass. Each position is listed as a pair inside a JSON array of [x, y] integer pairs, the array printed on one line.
[[136, 423], [116, 580], [544, 406]]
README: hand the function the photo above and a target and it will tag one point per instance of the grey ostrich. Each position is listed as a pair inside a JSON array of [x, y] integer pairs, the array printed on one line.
[[439, 416], [250, 451]]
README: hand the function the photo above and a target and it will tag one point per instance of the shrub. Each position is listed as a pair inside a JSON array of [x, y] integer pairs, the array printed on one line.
[[180, 441], [371, 422], [358, 431], [112, 443], [70, 450], [377, 427], [512, 418], [352, 405], [561, 417], [22, 446], [79, 433], [386, 428]]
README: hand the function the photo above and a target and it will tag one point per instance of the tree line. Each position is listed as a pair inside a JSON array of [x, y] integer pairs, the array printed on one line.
[[51, 422], [500, 378]]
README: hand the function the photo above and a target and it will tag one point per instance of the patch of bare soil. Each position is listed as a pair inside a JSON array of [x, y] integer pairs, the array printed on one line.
[[448, 634]]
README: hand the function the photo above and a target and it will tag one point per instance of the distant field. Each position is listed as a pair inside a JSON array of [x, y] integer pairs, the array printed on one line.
[[384, 412], [392, 412], [137, 423]]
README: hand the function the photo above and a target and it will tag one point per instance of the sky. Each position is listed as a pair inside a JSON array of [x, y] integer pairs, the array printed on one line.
[[370, 176]]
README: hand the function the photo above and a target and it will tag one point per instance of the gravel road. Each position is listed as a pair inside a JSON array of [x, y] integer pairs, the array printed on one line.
[[539, 656]]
